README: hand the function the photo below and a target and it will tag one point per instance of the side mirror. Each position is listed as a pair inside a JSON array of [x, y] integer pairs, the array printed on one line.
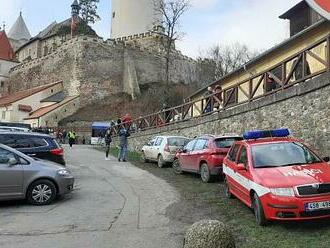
[[12, 162], [240, 167], [326, 159]]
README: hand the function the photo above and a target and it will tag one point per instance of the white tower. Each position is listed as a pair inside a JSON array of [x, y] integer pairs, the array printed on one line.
[[130, 17]]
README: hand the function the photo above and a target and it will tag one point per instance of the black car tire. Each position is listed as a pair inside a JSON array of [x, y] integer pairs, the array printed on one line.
[[47, 187], [228, 194], [258, 211], [160, 161], [177, 166], [205, 173]]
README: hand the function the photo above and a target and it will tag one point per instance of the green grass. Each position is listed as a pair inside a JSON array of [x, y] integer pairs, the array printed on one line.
[[207, 201]]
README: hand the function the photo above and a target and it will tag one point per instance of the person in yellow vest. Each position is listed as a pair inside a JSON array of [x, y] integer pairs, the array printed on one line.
[[72, 138]]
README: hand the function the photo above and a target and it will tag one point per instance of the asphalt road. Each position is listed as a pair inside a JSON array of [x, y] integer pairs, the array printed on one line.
[[113, 205]]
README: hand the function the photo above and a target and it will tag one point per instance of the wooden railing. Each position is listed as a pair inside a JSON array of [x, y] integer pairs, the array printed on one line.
[[300, 67]]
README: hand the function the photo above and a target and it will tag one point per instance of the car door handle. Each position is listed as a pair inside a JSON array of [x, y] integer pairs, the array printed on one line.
[[32, 154]]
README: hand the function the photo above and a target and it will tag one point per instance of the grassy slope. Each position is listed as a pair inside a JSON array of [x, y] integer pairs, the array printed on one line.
[[312, 234]]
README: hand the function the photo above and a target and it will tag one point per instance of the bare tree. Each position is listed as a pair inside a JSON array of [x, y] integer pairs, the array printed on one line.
[[171, 12], [228, 58]]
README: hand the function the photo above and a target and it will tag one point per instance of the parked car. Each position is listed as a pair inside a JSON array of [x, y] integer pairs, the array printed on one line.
[[37, 145], [162, 149], [279, 177], [14, 129], [38, 181], [204, 155]]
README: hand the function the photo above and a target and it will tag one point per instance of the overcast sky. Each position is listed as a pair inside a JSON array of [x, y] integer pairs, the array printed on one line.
[[251, 22]]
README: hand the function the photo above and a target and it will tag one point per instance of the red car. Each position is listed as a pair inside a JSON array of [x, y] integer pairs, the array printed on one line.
[[204, 155], [279, 177]]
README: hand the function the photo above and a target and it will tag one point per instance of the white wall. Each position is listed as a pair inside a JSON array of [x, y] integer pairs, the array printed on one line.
[[15, 115], [133, 17]]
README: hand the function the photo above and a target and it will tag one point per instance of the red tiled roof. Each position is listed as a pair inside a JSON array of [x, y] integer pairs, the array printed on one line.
[[45, 110], [8, 100], [6, 51]]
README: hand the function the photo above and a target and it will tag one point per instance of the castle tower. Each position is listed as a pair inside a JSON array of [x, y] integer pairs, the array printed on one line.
[[75, 8], [19, 33], [130, 17]]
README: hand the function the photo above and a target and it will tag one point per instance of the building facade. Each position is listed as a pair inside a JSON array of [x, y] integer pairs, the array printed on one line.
[[7, 60], [39, 106], [131, 17]]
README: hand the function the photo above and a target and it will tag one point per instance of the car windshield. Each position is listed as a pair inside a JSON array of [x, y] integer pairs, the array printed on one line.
[[226, 142], [177, 141], [282, 154]]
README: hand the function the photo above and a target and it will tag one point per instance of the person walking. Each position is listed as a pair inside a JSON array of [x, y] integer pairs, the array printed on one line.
[[108, 141], [72, 138], [123, 135]]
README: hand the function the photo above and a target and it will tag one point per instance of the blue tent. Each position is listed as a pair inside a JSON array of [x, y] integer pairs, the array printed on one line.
[[100, 125]]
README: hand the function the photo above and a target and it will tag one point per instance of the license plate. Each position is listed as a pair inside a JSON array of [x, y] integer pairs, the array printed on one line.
[[317, 205]]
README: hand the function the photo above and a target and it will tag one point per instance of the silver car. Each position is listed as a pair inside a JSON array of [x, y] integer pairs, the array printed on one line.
[[38, 181], [162, 149]]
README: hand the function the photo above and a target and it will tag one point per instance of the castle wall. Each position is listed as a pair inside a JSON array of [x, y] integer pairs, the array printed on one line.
[[97, 69]]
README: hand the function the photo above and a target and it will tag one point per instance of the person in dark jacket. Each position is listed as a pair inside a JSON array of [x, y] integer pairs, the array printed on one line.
[[123, 135], [108, 141]]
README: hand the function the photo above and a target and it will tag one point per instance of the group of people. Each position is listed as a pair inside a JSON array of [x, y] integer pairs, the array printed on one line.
[[63, 135], [123, 132]]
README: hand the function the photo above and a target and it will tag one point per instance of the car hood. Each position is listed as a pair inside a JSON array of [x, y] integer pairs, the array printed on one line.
[[48, 164], [291, 176]]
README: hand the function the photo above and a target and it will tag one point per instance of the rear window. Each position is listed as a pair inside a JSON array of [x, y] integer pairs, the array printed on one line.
[[56, 143], [38, 142], [177, 141], [21, 141], [226, 142]]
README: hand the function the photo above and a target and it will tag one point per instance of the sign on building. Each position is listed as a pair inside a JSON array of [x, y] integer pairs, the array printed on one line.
[[321, 6]]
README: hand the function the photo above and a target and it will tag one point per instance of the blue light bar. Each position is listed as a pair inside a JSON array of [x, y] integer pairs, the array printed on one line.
[[258, 134]]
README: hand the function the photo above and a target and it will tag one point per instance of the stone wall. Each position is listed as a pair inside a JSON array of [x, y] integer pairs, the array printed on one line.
[[304, 109], [97, 69]]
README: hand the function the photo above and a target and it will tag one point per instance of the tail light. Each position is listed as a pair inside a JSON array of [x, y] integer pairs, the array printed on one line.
[[58, 151], [167, 148]]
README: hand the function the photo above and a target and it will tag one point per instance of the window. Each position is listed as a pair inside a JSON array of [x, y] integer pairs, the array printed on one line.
[[5, 156], [158, 141], [177, 141], [282, 154], [7, 140], [3, 114], [2, 84], [190, 146], [22, 142], [113, 14], [226, 142], [200, 144], [38, 142], [152, 142], [243, 157], [233, 153]]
